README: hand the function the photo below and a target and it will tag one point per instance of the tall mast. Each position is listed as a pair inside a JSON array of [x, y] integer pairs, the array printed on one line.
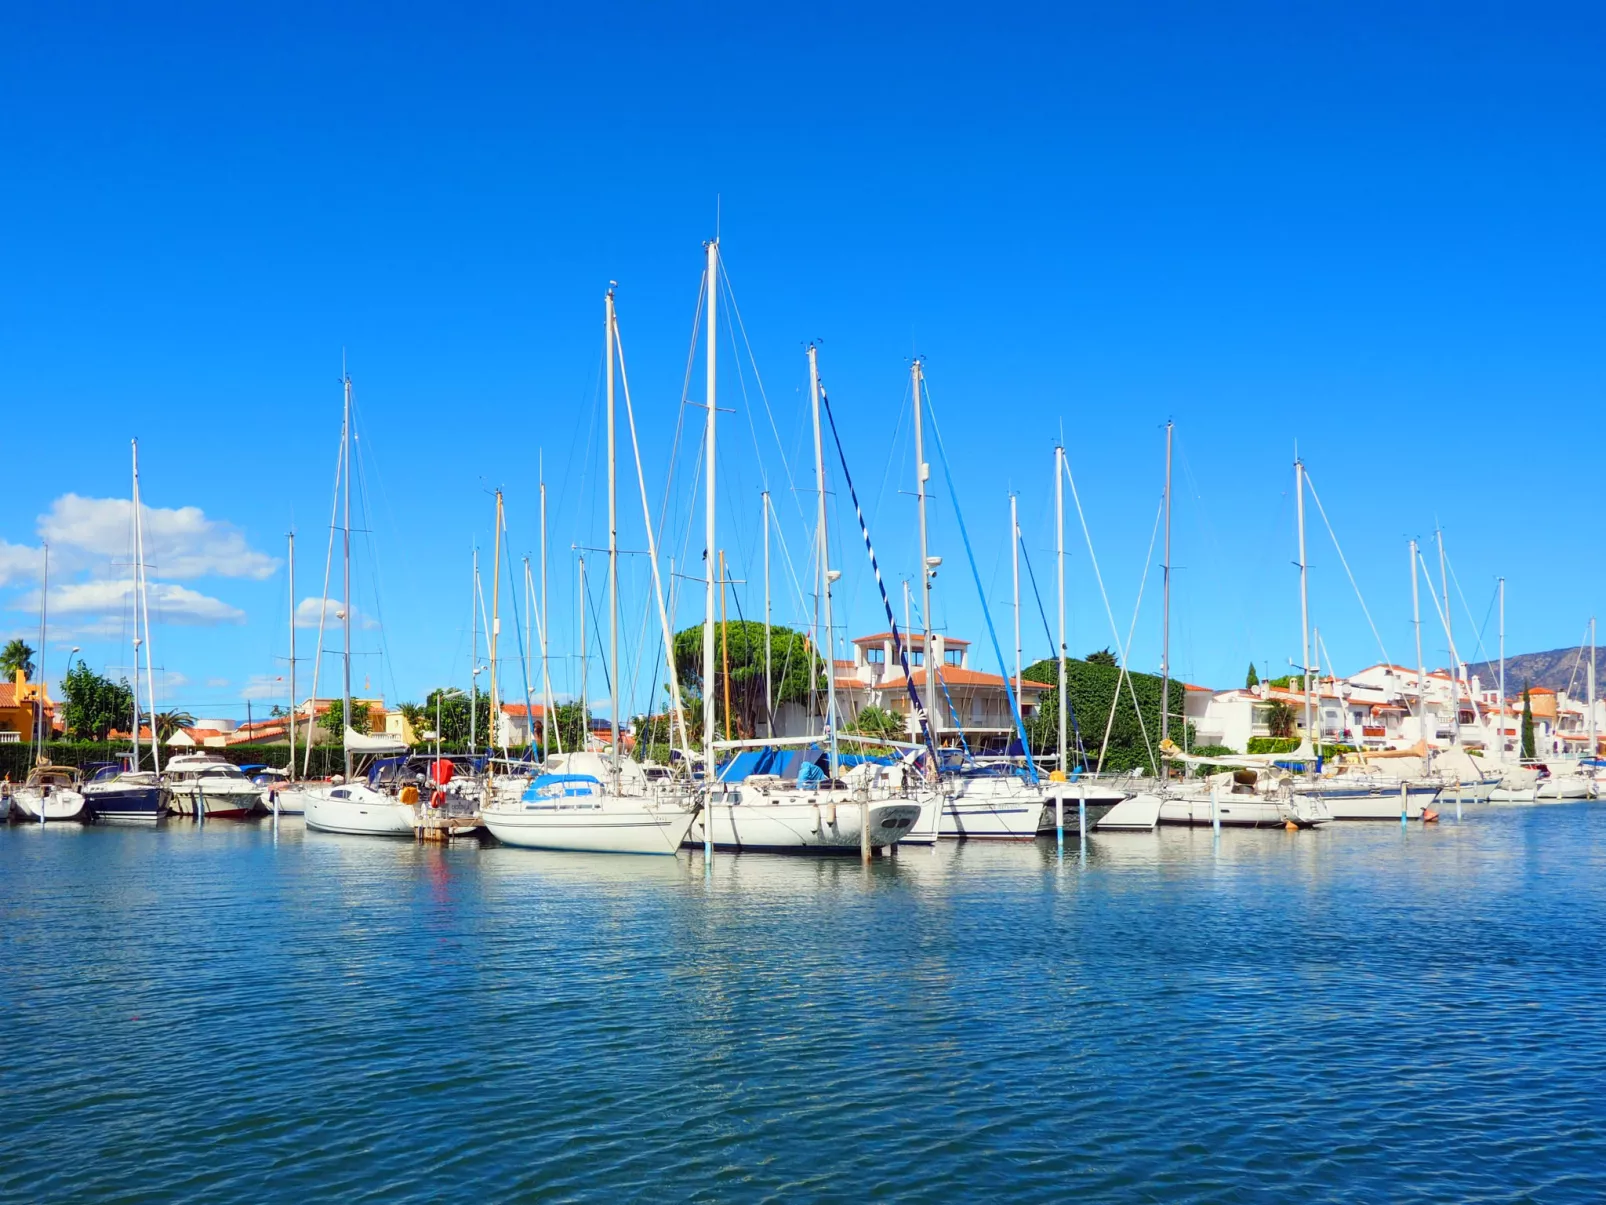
[[345, 592], [1455, 663], [1059, 556], [711, 287], [613, 551], [473, 650], [825, 562], [40, 685], [137, 638], [1594, 748], [1165, 606], [492, 738], [292, 564], [769, 684], [1421, 675], [725, 647], [922, 474], [142, 586], [1502, 668], [546, 676], [1304, 597], [1014, 561]]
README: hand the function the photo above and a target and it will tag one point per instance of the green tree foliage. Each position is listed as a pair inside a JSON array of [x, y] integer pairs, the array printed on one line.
[[94, 704], [454, 714], [16, 655], [333, 721], [793, 663], [169, 722], [1251, 679], [1280, 719], [1091, 687], [418, 719], [1103, 657], [879, 722], [1527, 725]]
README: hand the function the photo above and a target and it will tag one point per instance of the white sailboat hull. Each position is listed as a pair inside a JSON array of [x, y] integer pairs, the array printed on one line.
[[58, 806], [227, 800], [1234, 811], [992, 808], [355, 809], [793, 825], [590, 825]]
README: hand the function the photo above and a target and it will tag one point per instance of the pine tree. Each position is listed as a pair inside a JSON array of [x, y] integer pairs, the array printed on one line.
[[1527, 726], [1252, 679]]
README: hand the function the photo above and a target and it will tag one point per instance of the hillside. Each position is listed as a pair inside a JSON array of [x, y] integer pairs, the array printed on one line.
[[1553, 669]]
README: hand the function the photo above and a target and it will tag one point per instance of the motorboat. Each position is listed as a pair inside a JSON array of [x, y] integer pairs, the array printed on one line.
[[582, 803], [50, 794], [208, 786], [117, 794]]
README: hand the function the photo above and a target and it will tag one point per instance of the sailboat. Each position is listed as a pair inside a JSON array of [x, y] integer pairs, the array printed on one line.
[[131, 792], [584, 801], [346, 804], [49, 792]]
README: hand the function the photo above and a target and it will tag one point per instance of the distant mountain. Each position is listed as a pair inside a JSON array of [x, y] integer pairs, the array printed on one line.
[[1553, 669]]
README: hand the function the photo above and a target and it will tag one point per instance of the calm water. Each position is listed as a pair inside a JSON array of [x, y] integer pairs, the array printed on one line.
[[1348, 1015]]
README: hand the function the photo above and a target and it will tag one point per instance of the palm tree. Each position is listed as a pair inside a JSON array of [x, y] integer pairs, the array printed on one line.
[[16, 655], [417, 718], [169, 722]]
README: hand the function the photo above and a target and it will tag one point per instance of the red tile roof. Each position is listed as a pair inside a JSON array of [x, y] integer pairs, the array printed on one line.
[[911, 639]]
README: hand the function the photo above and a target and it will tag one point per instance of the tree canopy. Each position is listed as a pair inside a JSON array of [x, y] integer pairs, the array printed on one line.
[[793, 661], [14, 656], [1090, 686], [94, 704]]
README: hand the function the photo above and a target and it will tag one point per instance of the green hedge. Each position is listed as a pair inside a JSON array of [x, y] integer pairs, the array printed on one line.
[[1091, 688]]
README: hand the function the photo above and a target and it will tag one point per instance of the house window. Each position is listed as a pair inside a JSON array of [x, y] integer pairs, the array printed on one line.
[[953, 657], [876, 655], [917, 658]]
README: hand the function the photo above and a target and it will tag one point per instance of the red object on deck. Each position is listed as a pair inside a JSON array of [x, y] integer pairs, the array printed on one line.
[[441, 772]]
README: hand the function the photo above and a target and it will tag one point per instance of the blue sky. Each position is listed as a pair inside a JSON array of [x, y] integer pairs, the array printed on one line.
[[1374, 232]]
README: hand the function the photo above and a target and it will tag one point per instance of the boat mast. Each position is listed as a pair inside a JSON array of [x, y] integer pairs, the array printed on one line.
[[137, 640], [711, 287], [142, 589], [1455, 663], [1594, 748], [585, 657], [292, 564], [825, 565], [613, 553], [345, 560], [473, 650], [1304, 596], [922, 474], [1421, 675], [39, 684], [769, 685], [1165, 606], [1502, 669], [1059, 555], [492, 738], [546, 675], [725, 645], [1014, 560]]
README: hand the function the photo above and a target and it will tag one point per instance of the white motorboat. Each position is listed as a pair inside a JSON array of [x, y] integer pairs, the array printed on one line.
[[581, 804], [209, 786], [50, 793]]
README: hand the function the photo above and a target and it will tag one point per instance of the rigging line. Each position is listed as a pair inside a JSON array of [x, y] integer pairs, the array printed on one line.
[[992, 632], [1115, 702], [1070, 713], [518, 631], [1376, 635], [1098, 576], [893, 448], [1478, 629], [897, 639], [596, 628], [1578, 660], [1433, 595], [363, 465], [735, 309], [680, 417]]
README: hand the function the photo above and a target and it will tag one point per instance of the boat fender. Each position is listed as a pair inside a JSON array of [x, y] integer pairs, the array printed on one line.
[[437, 798], [1429, 816], [409, 794], [1291, 826], [830, 815]]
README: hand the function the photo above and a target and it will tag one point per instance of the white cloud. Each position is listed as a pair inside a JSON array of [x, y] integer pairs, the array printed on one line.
[[18, 563], [264, 686], [169, 603], [216, 683], [308, 609], [181, 543]]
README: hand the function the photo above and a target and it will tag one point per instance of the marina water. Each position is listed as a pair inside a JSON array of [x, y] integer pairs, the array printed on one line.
[[229, 1013]]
